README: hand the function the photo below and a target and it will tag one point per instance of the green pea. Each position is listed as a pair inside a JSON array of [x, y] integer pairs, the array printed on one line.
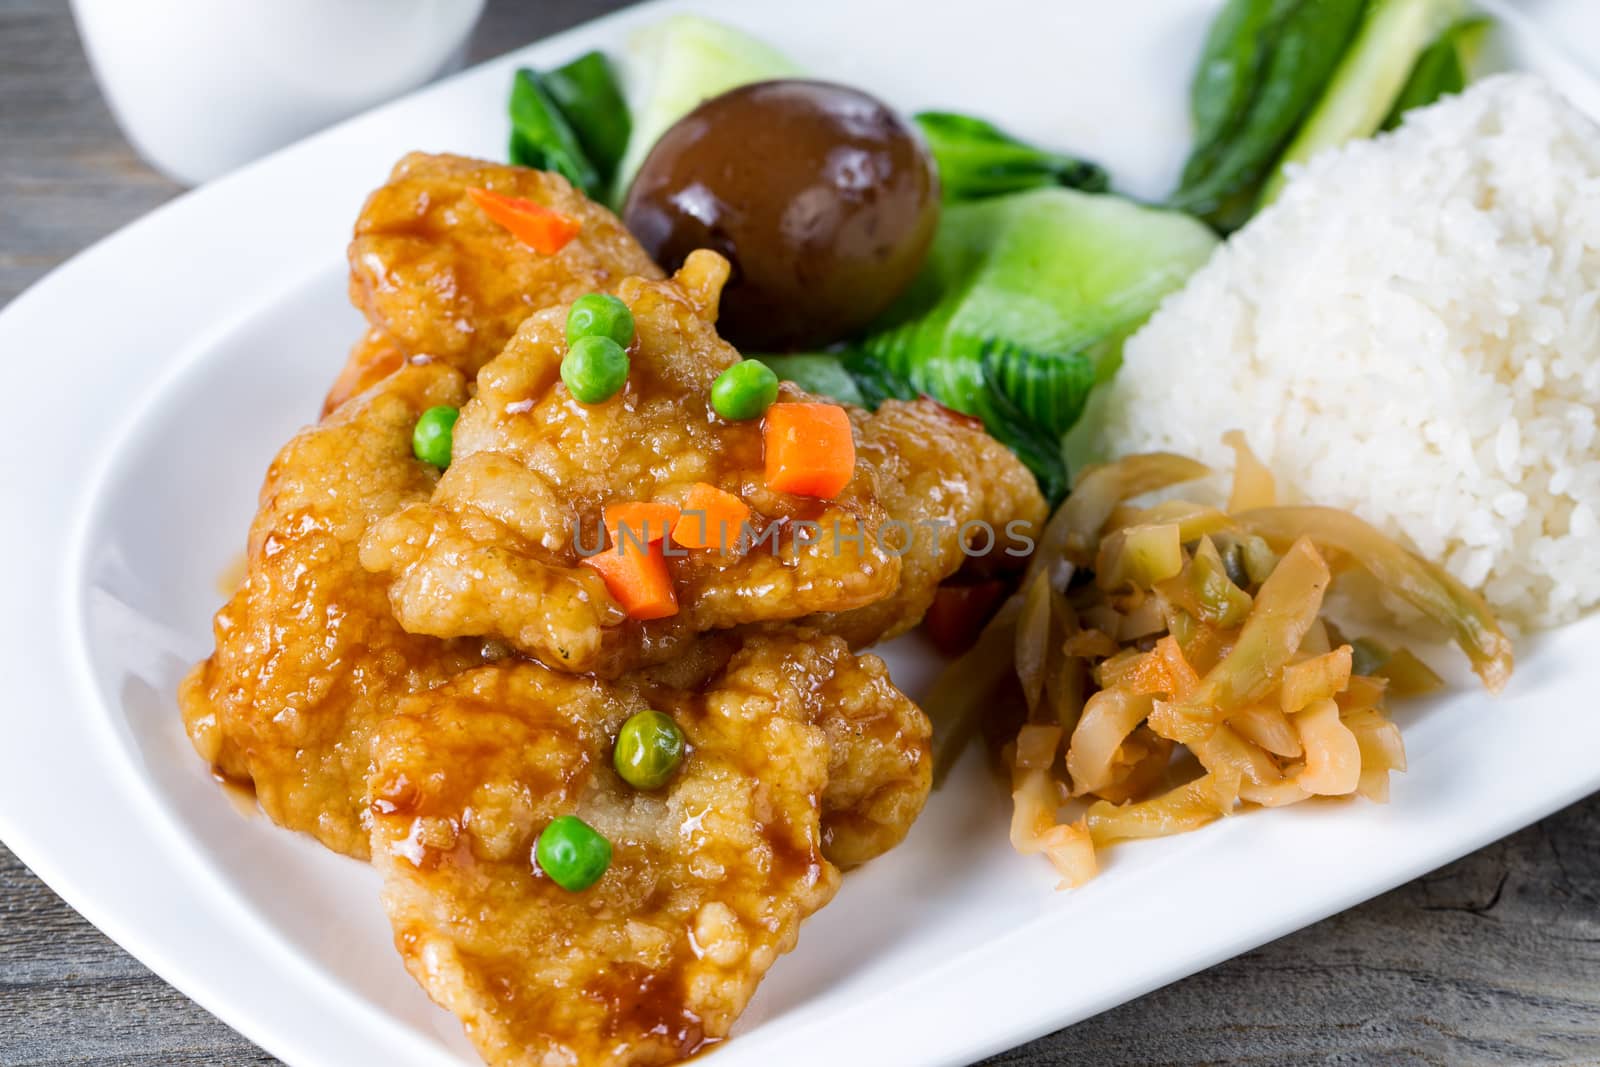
[[434, 435], [745, 390], [600, 315], [649, 748], [572, 853], [594, 368]]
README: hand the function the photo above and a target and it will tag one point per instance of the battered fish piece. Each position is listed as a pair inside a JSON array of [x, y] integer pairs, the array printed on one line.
[[436, 277], [496, 552], [373, 359], [879, 741], [880, 764], [710, 877], [939, 471], [308, 656]]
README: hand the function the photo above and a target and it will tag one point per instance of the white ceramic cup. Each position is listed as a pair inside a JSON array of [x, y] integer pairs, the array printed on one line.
[[201, 86]]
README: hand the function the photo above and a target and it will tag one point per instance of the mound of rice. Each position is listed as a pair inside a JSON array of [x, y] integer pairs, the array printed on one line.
[[1411, 333]]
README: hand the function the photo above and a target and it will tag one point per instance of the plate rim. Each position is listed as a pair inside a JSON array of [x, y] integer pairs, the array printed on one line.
[[78, 680]]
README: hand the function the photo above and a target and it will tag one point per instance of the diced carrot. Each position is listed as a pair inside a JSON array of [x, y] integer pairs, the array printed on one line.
[[810, 450], [959, 613], [637, 578], [541, 229], [645, 520], [711, 518]]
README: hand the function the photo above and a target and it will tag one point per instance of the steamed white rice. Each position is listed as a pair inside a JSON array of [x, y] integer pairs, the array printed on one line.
[[1412, 333]]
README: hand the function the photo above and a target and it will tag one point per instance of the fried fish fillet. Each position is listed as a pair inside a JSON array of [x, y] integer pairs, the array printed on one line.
[[879, 770], [963, 498], [880, 766], [308, 655], [374, 358], [309, 658], [437, 277], [496, 552], [710, 876]]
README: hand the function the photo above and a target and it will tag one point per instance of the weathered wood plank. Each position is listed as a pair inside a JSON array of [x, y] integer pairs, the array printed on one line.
[[1495, 959]]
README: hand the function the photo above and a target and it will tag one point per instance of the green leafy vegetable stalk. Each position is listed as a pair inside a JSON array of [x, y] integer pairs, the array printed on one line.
[[1394, 35], [1445, 68], [1303, 48], [1281, 80], [541, 136], [587, 93], [976, 159], [1230, 69], [571, 120]]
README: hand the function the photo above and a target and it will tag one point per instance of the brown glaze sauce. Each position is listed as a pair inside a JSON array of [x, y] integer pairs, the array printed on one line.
[[241, 793], [641, 1001]]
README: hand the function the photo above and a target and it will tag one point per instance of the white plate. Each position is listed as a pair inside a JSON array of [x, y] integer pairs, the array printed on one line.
[[153, 377]]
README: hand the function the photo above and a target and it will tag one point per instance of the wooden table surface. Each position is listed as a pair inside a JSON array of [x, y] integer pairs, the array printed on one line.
[[1494, 959]]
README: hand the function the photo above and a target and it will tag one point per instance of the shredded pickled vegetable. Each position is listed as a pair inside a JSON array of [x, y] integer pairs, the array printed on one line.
[[1195, 674]]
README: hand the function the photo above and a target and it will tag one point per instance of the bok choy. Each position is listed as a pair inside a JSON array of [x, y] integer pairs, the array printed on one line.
[[1020, 309], [1445, 68], [1394, 35], [977, 159], [1281, 80], [571, 120]]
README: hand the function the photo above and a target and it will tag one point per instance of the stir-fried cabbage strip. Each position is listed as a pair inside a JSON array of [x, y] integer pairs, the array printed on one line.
[[1200, 640], [967, 685], [1074, 531], [1425, 586]]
